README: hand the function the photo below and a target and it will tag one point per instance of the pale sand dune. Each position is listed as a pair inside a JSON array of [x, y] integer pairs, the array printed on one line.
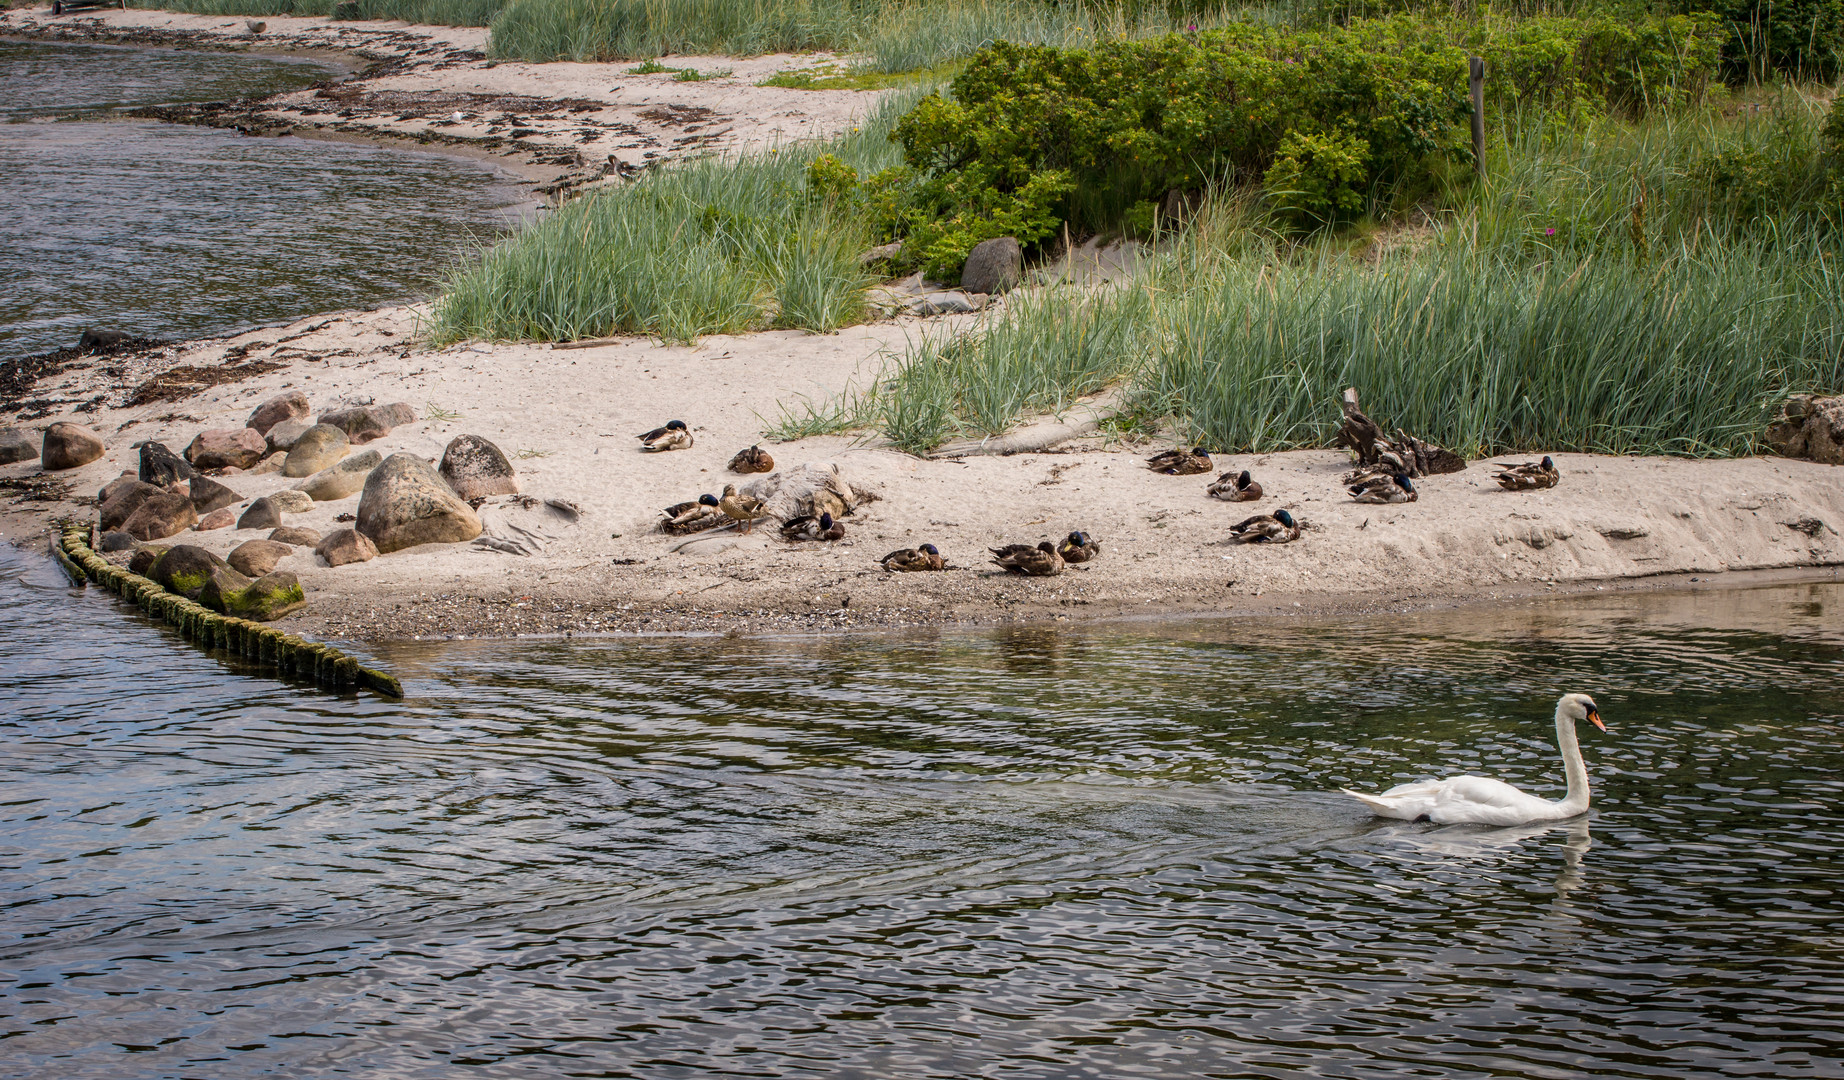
[[574, 413]]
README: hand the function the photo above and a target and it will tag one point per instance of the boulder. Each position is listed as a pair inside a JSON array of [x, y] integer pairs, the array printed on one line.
[[160, 465], [258, 557], [317, 448], [181, 569], [406, 503], [261, 514], [217, 519], [284, 435], [94, 341], [220, 582], [68, 446], [160, 516], [226, 448], [208, 495], [289, 406], [266, 599], [124, 500], [116, 486], [368, 422], [342, 546], [142, 561], [270, 465], [298, 537], [1809, 427], [475, 469], [290, 501], [17, 444], [116, 541], [344, 478], [993, 266]]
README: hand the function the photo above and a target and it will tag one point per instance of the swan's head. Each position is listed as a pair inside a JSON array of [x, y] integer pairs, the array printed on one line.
[[1578, 707]]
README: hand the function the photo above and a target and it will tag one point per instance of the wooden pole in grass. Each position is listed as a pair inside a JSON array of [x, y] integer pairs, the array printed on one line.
[[1478, 87]]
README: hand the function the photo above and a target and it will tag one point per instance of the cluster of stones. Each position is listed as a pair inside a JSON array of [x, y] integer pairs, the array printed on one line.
[[290, 655]]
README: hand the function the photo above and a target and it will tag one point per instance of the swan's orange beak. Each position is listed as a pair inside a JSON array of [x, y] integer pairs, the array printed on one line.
[[1594, 717]]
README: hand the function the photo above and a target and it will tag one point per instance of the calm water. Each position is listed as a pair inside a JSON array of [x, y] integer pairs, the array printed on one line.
[[1104, 852], [174, 231]]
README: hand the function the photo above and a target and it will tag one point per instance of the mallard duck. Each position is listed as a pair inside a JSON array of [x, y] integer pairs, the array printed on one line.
[[1276, 528], [808, 527], [674, 436], [746, 509], [1233, 488], [1078, 548], [1180, 462], [912, 560], [1385, 489], [695, 516], [1039, 561], [1531, 476], [753, 460]]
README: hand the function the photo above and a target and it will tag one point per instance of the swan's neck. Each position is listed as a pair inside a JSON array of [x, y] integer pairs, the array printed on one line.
[[1576, 800]]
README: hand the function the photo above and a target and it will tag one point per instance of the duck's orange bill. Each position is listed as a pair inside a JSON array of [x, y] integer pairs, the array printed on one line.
[[1594, 717]]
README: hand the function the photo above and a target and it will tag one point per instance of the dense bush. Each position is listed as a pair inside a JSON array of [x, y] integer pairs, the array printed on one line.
[[1332, 118]]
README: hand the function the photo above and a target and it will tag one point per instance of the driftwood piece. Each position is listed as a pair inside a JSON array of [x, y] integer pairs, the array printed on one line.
[[1406, 454]]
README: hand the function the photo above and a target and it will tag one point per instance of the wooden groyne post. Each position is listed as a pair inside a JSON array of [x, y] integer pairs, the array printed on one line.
[[291, 657]]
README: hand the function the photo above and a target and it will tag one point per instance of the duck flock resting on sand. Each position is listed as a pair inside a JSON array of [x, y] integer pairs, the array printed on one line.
[[1386, 481]]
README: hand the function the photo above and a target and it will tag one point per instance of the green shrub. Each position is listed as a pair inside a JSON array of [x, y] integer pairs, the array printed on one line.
[[1379, 102], [1318, 179]]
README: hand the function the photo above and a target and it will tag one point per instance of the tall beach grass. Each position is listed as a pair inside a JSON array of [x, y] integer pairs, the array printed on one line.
[[712, 245]]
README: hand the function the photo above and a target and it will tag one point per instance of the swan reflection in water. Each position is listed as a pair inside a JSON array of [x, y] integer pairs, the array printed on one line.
[[1470, 841]]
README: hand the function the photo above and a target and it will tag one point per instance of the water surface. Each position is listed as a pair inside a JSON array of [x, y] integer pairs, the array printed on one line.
[[174, 231], [1036, 853]]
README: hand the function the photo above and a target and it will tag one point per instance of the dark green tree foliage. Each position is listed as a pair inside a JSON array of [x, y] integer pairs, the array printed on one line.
[[1331, 118]]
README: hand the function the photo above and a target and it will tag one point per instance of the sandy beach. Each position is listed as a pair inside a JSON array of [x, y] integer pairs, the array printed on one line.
[[567, 418]]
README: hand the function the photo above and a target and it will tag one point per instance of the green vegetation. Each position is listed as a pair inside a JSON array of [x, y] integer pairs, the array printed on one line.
[[427, 12], [709, 246]]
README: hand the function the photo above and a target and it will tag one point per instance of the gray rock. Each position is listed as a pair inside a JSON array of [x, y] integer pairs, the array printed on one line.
[[317, 448], [290, 501], [116, 541], [262, 514], [98, 340], [1809, 427], [299, 537], [343, 479], [945, 303], [258, 557], [68, 446], [993, 266], [368, 422], [342, 546], [226, 448], [182, 569], [406, 503], [124, 500], [161, 516], [17, 444], [285, 434], [160, 465], [208, 495], [475, 469], [281, 407]]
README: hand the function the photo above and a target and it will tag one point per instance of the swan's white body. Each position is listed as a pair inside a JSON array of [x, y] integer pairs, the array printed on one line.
[[1483, 801]]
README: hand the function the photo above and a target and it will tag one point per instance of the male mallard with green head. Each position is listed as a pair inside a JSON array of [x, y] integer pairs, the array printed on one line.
[[1233, 487], [674, 436], [1384, 489], [1276, 528], [1531, 476], [694, 516], [808, 527], [1078, 548]]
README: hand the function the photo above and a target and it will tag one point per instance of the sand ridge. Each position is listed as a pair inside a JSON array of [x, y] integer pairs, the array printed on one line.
[[567, 418]]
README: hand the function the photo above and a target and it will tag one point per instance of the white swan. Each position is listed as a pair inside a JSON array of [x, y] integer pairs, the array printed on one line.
[[1484, 801]]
